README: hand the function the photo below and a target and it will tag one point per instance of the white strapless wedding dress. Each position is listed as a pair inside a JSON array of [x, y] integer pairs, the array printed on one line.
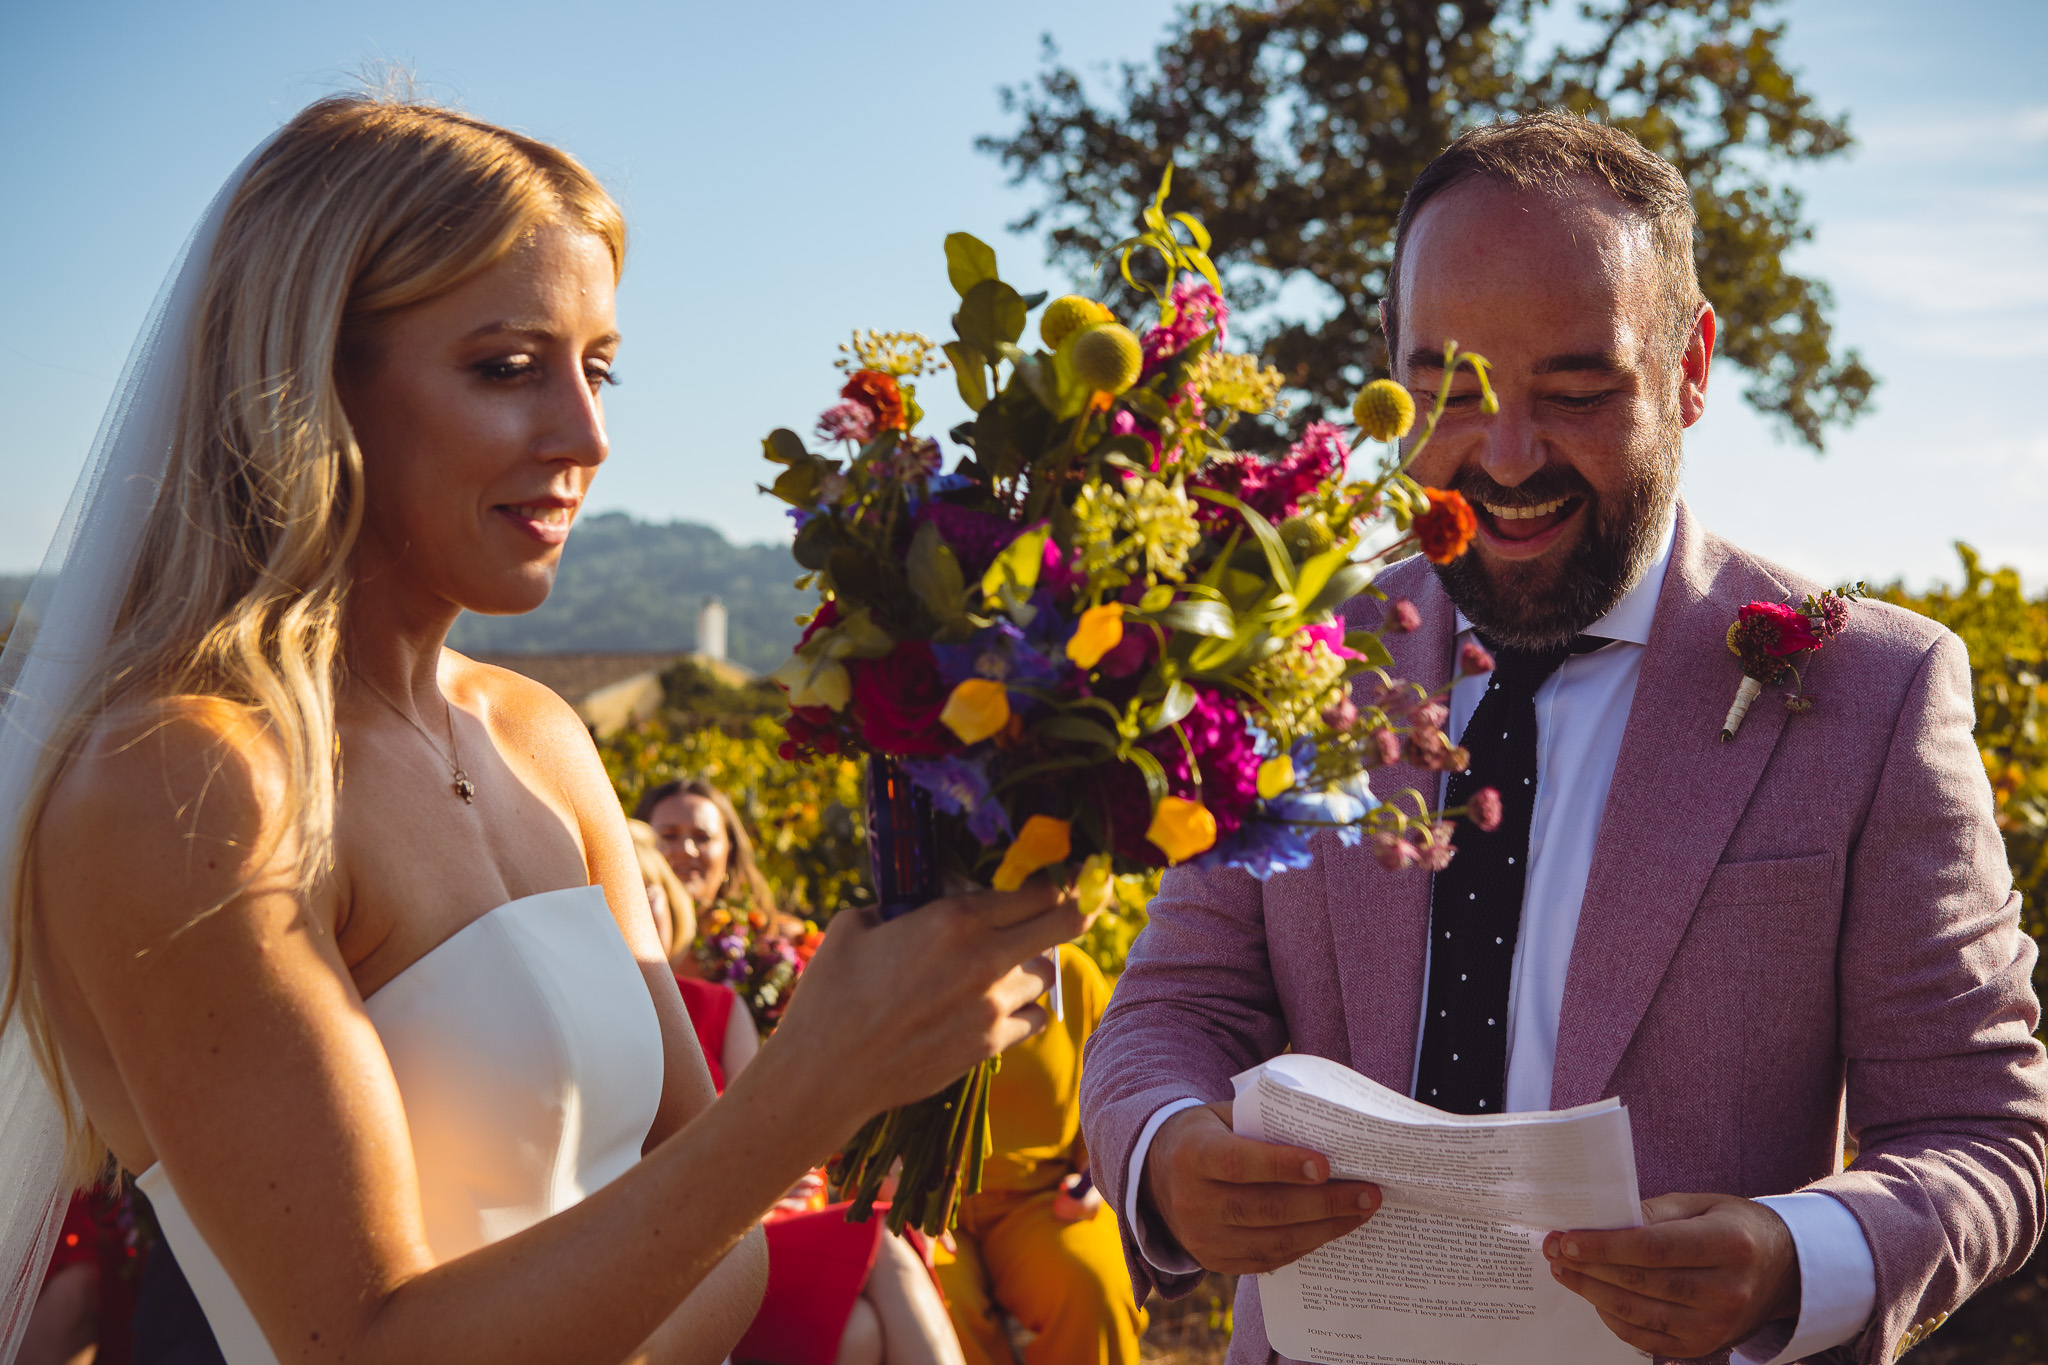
[[530, 1062]]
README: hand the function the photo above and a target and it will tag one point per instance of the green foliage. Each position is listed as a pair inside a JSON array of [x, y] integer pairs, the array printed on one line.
[[804, 817], [1297, 127], [701, 697], [633, 585], [2007, 636]]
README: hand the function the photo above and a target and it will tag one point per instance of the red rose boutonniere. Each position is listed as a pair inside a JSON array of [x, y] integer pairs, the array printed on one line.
[[1769, 637]]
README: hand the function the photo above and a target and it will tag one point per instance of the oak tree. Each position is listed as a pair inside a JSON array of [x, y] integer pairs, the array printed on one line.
[[1295, 127]]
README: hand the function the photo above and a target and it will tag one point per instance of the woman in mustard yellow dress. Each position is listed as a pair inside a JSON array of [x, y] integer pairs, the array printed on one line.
[[1037, 1242]]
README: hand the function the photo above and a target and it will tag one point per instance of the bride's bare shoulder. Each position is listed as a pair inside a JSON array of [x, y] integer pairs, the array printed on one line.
[[183, 790], [515, 707]]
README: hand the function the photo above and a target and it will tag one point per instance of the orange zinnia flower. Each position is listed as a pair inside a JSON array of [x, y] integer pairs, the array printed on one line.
[[879, 394], [1447, 528]]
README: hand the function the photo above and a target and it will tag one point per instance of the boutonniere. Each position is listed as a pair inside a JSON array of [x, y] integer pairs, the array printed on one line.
[[1769, 636]]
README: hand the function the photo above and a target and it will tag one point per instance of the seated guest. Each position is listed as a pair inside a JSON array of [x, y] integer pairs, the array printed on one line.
[[719, 1017], [1036, 1243]]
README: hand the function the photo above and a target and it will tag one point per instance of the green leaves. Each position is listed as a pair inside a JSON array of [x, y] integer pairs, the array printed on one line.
[[990, 313], [936, 579], [970, 373], [969, 261], [1198, 616]]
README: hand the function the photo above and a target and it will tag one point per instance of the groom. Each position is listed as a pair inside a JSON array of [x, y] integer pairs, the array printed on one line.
[[1753, 944]]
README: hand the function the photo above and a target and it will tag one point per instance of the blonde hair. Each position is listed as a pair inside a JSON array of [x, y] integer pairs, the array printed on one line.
[[359, 207], [655, 871]]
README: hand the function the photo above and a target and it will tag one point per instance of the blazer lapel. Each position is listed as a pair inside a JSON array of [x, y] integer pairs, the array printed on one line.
[[1379, 920], [1675, 800]]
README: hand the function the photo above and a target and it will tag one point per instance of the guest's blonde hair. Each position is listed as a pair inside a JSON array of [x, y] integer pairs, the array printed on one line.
[[655, 871], [360, 207]]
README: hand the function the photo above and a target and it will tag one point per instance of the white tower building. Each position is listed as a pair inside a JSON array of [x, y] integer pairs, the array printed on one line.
[[711, 629]]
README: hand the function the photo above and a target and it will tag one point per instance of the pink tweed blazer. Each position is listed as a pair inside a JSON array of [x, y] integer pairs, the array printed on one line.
[[1809, 927]]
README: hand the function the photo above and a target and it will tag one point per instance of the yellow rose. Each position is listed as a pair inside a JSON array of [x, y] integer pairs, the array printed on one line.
[[1042, 842], [1101, 629], [1182, 828], [978, 708]]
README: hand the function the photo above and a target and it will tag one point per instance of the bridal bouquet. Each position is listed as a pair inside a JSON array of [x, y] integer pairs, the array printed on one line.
[[1097, 636]]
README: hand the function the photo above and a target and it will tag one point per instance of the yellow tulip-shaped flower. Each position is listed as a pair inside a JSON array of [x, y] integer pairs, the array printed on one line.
[[1182, 828], [1101, 629], [978, 708], [1276, 775], [1042, 842]]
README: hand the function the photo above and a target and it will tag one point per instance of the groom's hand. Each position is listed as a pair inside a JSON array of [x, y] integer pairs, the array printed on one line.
[[1245, 1207], [1703, 1273]]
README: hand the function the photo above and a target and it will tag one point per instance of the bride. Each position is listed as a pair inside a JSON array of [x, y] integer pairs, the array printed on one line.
[[334, 937]]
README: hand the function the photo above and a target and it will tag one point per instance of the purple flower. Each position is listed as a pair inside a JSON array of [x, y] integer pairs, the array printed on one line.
[[976, 538], [999, 651], [959, 786]]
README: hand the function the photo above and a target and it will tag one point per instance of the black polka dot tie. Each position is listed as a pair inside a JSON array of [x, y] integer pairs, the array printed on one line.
[[1476, 902]]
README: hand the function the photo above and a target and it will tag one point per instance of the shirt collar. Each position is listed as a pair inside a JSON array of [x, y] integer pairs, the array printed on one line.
[[1637, 610]]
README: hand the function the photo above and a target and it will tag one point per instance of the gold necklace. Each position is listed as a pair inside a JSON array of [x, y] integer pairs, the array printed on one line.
[[462, 786]]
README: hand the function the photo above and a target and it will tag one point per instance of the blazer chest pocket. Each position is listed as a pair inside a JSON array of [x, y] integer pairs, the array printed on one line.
[[1772, 881]]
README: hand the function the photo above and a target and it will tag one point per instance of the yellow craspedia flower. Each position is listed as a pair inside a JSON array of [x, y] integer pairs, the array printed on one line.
[[1182, 828], [978, 708], [1107, 358], [1384, 410], [1042, 842], [1100, 630], [1276, 775], [1066, 315]]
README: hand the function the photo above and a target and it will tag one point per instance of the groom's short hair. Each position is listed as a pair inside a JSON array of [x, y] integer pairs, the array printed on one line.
[[1547, 152]]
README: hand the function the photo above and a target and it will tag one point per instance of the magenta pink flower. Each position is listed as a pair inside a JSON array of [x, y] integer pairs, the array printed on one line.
[[1341, 714], [1197, 308], [1779, 629], [1402, 616], [1330, 633], [1275, 488], [848, 421], [1473, 658]]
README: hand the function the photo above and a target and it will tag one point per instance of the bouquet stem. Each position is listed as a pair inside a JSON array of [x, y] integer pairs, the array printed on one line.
[[943, 1139]]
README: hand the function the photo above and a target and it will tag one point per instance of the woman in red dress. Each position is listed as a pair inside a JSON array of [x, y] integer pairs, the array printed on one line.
[[839, 1293]]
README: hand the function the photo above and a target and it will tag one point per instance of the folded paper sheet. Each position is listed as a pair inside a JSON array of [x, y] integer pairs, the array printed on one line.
[[1450, 1271]]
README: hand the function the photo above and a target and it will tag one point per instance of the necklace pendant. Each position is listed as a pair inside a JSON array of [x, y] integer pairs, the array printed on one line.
[[465, 788]]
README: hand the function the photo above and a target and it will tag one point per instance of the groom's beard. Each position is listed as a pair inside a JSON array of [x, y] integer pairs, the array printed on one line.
[[1534, 604]]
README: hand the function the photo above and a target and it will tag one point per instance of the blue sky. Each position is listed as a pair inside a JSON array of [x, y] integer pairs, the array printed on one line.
[[789, 170]]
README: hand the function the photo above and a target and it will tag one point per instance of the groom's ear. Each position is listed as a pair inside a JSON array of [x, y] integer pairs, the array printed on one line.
[[1694, 364]]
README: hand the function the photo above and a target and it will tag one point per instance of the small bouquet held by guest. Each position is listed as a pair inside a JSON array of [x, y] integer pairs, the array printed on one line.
[[745, 950], [1102, 639]]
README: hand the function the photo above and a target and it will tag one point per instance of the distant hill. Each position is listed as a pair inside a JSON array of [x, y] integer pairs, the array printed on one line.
[[628, 585]]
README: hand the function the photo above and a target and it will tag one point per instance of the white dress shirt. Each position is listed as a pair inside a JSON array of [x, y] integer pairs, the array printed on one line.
[[1581, 714]]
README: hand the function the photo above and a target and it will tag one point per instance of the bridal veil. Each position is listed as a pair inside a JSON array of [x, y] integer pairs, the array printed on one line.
[[51, 657]]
